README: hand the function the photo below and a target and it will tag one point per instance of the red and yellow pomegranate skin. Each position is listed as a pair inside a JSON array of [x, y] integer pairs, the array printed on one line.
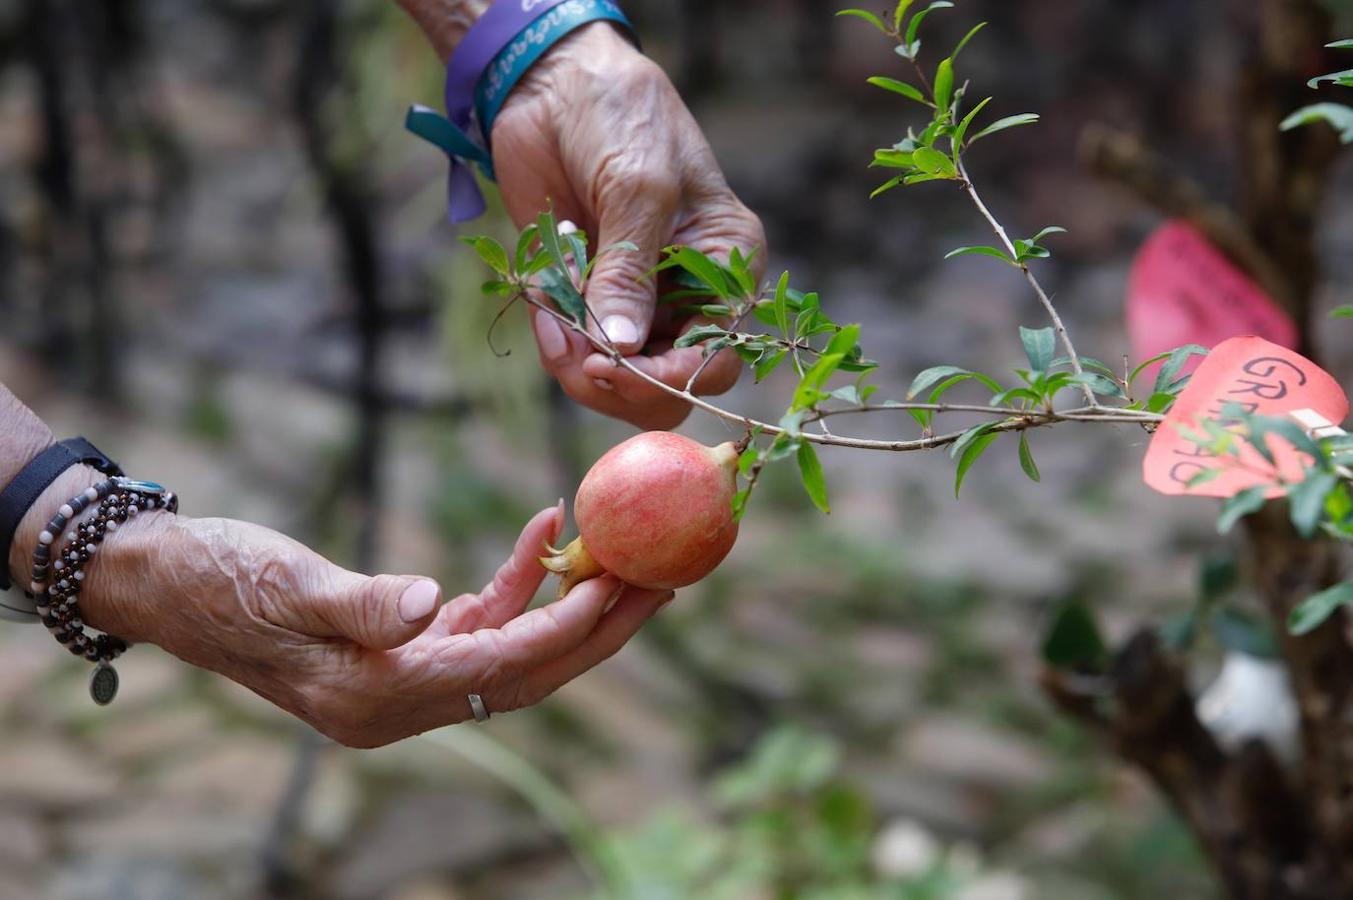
[[655, 511]]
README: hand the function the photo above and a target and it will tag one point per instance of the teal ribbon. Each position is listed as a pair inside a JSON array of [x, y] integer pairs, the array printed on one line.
[[464, 197]]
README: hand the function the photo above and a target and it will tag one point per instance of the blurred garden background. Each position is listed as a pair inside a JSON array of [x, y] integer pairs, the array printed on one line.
[[223, 259]]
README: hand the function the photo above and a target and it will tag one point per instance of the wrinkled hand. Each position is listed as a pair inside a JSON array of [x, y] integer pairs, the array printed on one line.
[[367, 661], [598, 130]]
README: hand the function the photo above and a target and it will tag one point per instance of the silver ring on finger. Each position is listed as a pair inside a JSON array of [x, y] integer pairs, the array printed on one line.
[[481, 712]]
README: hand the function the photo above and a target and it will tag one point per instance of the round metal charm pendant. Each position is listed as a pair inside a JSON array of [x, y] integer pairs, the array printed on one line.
[[103, 684]]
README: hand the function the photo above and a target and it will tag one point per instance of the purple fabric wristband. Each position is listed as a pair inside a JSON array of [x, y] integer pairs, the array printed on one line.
[[503, 21]]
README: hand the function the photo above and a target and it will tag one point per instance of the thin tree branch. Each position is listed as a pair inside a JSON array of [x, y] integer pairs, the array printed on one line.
[[1016, 420]]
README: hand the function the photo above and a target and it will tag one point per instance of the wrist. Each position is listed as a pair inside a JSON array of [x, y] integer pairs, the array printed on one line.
[[117, 592], [597, 50]]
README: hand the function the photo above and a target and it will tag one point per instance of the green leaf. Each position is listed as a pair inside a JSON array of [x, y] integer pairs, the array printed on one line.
[[887, 186], [923, 177], [1100, 384], [1039, 345], [1073, 640], [899, 87], [1245, 503], [1346, 44], [944, 84], [497, 288], [845, 341], [915, 26], [524, 242], [742, 274], [970, 456], [740, 503], [867, 16], [1188, 349], [781, 304], [549, 239], [1344, 78], [933, 162], [1337, 115], [709, 273], [700, 334], [901, 13], [1308, 501], [967, 37], [768, 364], [1240, 632], [936, 374], [561, 289], [576, 242], [810, 387], [1315, 610], [963, 126], [1026, 459], [1018, 393], [980, 251], [1003, 124], [1160, 403], [814, 482], [1051, 229], [1343, 312], [893, 159], [947, 383], [1260, 427], [491, 252], [1165, 378]]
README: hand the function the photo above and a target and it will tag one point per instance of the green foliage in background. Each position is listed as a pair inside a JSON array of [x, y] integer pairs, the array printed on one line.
[[1337, 115]]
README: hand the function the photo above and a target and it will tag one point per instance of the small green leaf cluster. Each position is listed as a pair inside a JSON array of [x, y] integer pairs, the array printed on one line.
[[800, 320], [935, 153], [1026, 249], [1074, 641], [1320, 501], [788, 825], [1169, 383], [1339, 116], [556, 258], [1042, 384]]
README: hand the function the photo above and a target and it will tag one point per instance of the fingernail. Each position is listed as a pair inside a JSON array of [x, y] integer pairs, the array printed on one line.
[[418, 601], [553, 343], [615, 598], [603, 384], [620, 330]]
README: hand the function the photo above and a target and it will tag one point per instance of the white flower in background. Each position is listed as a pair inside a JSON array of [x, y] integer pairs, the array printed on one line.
[[995, 886], [905, 849], [566, 228], [1251, 698]]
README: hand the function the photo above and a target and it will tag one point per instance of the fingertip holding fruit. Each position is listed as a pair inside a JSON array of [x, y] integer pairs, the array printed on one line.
[[656, 511]]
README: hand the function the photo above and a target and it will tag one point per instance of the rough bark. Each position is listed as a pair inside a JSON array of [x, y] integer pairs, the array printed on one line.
[[1270, 836]]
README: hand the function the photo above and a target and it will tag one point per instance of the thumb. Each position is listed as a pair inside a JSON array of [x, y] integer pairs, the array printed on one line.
[[379, 613], [619, 293]]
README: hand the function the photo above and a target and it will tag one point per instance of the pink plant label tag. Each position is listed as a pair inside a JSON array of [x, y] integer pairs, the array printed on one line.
[[1182, 290], [1261, 378]]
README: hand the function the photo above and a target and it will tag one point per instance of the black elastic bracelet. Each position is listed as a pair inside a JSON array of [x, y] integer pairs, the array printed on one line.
[[21, 493]]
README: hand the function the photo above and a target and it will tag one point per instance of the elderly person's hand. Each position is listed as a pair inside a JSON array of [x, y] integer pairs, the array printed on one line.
[[598, 130], [367, 661]]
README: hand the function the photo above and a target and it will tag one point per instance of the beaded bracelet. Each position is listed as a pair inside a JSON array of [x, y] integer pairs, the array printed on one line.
[[57, 581]]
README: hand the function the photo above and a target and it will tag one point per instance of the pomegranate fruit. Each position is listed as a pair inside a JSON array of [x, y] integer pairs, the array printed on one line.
[[655, 511]]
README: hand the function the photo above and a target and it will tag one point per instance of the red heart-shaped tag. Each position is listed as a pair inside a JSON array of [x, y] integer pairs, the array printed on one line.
[[1182, 290], [1261, 378]]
